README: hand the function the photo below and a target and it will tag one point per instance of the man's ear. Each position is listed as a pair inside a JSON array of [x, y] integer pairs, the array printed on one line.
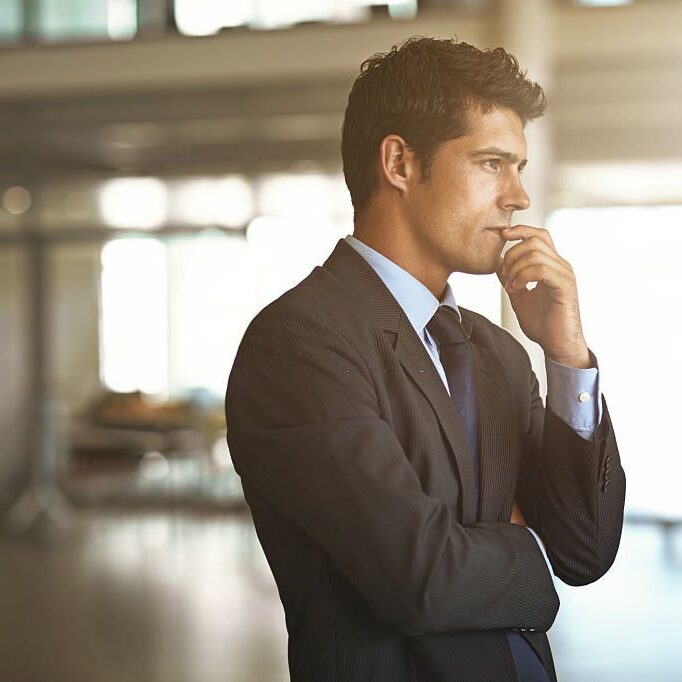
[[397, 162]]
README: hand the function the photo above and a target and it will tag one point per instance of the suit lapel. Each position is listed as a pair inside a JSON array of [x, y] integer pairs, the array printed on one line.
[[496, 425], [419, 366], [495, 415]]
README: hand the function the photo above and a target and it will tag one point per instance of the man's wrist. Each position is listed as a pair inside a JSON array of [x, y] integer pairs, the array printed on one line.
[[580, 360]]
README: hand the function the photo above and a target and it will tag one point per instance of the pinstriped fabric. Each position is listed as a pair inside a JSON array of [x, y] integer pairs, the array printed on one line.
[[457, 359], [360, 487]]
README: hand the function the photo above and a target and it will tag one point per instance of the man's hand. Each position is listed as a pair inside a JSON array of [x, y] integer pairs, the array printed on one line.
[[517, 516], [548, 314]]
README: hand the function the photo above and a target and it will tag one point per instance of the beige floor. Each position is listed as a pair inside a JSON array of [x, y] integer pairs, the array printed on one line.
[[140, 598], [179, 597]]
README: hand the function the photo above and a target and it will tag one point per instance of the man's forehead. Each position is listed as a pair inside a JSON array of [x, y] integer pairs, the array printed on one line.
[[478, 116], [499, 132]]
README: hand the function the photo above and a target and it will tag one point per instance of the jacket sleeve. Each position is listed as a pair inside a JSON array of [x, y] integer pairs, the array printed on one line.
[[304, 429], [572, 493]]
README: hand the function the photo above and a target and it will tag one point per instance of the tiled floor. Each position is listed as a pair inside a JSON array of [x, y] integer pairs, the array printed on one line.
[[170, 597]]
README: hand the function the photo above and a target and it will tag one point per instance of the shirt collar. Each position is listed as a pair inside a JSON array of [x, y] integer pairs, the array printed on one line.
[[418, 303]]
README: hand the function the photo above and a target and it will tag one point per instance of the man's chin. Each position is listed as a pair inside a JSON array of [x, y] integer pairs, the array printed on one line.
[[480, 264], [482, 268]]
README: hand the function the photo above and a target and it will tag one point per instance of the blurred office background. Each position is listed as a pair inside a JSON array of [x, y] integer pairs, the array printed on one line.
[[167, 169]]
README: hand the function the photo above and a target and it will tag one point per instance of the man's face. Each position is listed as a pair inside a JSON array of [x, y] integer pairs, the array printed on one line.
[[473, 188]]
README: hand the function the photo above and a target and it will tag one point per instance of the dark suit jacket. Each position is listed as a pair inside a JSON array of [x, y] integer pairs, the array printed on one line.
[[356, 470]]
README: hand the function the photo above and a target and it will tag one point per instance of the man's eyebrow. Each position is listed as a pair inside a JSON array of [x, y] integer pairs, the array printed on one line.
[[496, 151]]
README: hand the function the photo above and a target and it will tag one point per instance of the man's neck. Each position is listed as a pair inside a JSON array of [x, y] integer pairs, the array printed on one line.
[[399, 248]]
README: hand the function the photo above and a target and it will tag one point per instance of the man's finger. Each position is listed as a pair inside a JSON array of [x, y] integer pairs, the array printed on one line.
[[531, 245], [526, 231], [543, 273], [511, 270]]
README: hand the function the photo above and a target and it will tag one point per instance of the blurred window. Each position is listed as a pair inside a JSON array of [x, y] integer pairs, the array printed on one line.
[[301, 217], [60, 20], [134, 202], [226, 201], [11, 20], [206, 17], [66, 19], [626, 261], [213, 295], [134, 316], [602, 3], [174, 311]]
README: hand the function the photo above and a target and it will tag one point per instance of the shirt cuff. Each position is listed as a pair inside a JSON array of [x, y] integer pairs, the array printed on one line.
[[574, 395], [542, 549]]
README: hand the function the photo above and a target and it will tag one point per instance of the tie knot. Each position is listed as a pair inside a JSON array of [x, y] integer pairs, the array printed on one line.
[[445, 326]]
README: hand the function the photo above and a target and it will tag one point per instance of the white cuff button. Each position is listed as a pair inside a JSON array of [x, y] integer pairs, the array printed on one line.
[[584, 397]]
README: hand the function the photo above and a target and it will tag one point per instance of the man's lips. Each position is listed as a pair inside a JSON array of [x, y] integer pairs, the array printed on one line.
[[497, 230]]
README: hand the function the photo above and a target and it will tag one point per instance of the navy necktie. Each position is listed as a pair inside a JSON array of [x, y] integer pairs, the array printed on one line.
[[457, 359]]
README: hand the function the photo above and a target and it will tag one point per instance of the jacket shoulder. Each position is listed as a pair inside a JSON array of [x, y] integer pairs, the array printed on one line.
[[319, 301]]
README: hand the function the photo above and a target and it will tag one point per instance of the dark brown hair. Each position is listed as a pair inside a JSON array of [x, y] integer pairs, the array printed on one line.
[[422, 90]]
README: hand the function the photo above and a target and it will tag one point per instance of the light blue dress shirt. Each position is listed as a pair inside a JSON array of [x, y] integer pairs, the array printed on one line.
[[573, 394]]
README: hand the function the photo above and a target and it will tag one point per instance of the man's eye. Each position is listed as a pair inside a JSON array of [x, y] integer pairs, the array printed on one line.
[[492, 163]]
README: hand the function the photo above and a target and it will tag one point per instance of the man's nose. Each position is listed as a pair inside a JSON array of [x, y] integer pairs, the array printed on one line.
[[515, 198]]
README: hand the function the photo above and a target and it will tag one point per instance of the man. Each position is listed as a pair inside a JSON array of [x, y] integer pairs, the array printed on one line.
[[402, 472]]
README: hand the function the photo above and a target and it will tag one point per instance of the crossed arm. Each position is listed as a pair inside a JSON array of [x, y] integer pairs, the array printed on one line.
[[307, 434], [572, 493]]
